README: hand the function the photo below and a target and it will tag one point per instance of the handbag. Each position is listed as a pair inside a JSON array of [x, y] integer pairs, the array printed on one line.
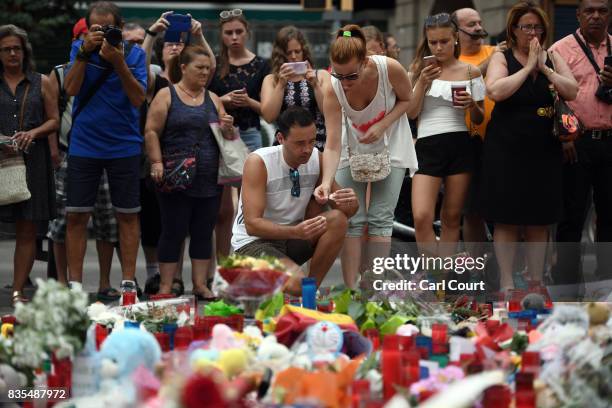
[[566, 125], [233, 155], [13, 179], [179, 171], [368, 167]]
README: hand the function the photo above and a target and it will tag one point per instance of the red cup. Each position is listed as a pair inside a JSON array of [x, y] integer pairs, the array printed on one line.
[[525, 399], [455, 89], [129, 298]]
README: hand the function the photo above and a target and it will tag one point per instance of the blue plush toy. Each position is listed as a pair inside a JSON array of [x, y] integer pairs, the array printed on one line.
[[123, 352]]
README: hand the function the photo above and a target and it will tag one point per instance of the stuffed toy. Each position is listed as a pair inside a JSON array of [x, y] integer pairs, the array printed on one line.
[[10, 380]]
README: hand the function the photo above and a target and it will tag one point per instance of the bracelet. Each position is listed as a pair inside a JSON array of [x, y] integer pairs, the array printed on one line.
[[150, 33], [83, 55]]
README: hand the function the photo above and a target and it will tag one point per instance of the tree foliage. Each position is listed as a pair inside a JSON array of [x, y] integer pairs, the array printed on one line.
[[48, 24]]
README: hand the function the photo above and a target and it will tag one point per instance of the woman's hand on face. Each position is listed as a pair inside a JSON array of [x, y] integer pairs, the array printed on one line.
[[157, 172], [535, 53], [161, 24], [464, 99], [429, 73]]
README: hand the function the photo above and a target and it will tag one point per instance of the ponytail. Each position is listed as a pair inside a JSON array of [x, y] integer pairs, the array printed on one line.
[[350, 42]]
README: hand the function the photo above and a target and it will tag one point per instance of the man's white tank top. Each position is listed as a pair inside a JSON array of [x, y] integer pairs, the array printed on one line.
[[281, 207]]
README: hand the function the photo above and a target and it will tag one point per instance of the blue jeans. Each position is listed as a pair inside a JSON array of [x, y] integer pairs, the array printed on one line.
[[251, 138]]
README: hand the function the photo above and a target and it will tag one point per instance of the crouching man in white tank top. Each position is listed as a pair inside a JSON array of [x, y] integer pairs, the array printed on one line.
[[277, 214]]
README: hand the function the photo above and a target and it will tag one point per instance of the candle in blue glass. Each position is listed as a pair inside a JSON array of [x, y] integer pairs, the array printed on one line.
[[129, 324], [170, 328], [309, 293]]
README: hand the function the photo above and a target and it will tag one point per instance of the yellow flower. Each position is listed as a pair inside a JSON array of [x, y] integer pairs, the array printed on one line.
[[6, 330]]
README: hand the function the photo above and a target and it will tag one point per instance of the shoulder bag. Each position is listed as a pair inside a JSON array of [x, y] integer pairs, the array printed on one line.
[[369, 167], [13, 179]]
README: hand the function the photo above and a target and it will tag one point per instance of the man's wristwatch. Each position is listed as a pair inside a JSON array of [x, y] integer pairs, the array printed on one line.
[[83, 55], [150, 33]]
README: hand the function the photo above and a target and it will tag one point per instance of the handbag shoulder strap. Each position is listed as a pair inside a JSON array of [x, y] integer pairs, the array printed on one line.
[[23, 103], [589, 54]]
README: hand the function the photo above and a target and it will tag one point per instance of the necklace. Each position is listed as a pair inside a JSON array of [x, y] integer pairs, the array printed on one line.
[[195, 98]]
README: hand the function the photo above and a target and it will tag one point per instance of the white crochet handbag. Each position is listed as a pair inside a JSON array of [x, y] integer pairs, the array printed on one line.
[[13, 182]]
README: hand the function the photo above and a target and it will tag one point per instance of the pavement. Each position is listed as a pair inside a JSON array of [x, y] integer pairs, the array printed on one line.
[[91, 273]]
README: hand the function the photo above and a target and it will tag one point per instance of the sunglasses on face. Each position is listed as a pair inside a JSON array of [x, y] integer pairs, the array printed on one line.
[[294, 176], [225, 14], [348, 77]]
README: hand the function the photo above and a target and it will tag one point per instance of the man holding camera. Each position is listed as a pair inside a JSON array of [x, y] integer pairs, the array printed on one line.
[[588, 160], [108, 78]]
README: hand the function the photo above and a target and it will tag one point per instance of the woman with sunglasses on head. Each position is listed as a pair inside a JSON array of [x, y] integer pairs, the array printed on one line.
[[237, 81], [522, 162], [28, 114], [285, 87], [150, 221], [444, 90], [365, 109], [179, 120]]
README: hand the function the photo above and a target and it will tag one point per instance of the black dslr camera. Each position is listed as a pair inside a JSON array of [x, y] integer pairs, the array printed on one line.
[[112, 34]]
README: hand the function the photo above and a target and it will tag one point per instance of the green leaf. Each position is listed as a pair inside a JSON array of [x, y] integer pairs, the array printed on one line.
[[391, 325], [356, 310], [273, 306], [343, 301]]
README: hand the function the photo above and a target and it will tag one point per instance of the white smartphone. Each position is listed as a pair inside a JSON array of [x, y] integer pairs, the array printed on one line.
[[299, 67]]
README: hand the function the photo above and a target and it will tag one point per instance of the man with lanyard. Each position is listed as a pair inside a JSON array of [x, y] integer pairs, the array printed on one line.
[[588, 161], [475, 52]]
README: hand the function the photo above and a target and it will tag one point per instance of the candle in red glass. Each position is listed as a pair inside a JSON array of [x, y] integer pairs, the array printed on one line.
[[164, 340], [488, 308], [183, 338], [101, 334], [497, 396], [407, 342], [525, 399], [201, 331], [360, 391], [411, 357], [439, 348], [524, 381], [492, 325], [410, 374], [129, 298], [9, 319], [391, 365], [530, 362], [373, 336], [439, 333]]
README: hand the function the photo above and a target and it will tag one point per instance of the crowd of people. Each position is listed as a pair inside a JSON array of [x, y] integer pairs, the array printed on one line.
[[129, 131]]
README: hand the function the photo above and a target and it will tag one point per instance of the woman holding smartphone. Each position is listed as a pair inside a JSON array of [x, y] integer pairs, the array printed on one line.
[[444, 89], [293, 81], [237, 81]]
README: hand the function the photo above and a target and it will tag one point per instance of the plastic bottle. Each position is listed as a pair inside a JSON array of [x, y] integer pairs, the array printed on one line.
[[309, 293]]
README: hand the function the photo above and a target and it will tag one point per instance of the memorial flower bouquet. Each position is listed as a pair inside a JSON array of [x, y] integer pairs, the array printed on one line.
[[55, 323]]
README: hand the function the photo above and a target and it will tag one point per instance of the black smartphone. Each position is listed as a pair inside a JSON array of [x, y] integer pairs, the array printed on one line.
[[608, 61]]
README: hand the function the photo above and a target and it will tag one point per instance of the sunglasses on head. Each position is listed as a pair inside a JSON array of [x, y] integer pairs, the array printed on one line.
[[225, 14], [294, 176], [438, 19]]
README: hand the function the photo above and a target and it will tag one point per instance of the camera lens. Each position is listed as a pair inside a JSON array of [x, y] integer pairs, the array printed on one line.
[[113, 35]]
